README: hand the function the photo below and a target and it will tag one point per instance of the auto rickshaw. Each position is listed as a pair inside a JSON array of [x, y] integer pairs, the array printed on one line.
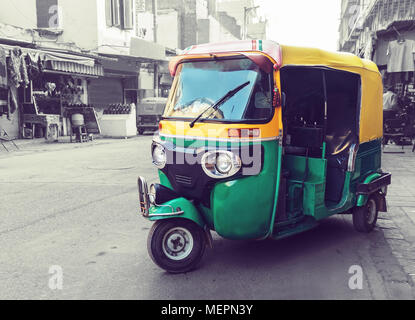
[[260, 140]]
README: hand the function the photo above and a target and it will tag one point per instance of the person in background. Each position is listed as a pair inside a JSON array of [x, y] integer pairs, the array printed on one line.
[[390, 103], [390, 100]]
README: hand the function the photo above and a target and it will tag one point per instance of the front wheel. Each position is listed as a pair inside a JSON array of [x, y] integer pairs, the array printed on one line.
[[365, 218], [176, 246]]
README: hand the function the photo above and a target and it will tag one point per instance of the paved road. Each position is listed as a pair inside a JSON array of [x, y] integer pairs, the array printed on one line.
[[77, 209]]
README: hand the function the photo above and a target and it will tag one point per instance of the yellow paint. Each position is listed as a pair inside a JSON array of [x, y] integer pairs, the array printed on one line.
[[371, 118]]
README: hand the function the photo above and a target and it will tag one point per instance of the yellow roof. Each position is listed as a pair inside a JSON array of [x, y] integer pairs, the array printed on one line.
[[312, 56], [371, 115]]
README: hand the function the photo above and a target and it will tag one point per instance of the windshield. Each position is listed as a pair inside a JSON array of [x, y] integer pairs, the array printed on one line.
[[200, 84]]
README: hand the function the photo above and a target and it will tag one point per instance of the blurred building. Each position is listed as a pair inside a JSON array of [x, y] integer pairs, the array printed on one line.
[[253, 26], [98, 50], [382, 31]]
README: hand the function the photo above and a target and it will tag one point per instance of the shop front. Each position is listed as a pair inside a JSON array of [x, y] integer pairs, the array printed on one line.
[[394, 53], [40, 86], [129, 78]]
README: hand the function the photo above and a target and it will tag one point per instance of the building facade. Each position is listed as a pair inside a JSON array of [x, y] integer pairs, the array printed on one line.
[[384, 32], [109, 56]]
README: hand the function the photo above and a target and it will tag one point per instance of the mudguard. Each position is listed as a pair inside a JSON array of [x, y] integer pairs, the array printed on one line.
[[363, 198], [183, 209]]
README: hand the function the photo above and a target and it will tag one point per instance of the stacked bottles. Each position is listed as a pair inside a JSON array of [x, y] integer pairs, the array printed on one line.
[[118, 109]]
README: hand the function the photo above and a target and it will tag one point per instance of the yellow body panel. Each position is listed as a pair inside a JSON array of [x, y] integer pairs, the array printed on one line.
[[371, 117]]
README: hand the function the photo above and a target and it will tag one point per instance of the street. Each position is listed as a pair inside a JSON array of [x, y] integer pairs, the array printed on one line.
[[77, 208]]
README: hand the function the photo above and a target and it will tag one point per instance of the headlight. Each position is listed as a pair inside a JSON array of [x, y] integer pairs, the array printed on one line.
[[220, 164], [152, 194], [159, 156], [223, 163]]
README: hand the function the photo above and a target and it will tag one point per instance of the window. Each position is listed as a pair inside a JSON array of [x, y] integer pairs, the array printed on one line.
[[128, 14], [202, 83], [116, 13], [47, 14], [120, 13]]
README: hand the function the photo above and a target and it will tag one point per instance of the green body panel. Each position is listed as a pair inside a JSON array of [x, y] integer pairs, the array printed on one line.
[[306, 191], [164, 180], [367, 168], [244, 208], [190, 212], [362, 199]]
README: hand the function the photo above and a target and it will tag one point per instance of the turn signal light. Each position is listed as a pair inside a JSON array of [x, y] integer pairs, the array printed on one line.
[[244, 133]]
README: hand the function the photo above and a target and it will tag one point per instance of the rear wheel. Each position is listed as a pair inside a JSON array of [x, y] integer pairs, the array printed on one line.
[[365, 218], [176, 246]]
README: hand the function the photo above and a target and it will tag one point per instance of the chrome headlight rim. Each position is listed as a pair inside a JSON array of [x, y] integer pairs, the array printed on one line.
[[152, 194], [159, 163], [213, 171]]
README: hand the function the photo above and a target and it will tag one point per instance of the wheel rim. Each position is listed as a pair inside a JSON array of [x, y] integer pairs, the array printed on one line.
[[371, 211], [177, 243]]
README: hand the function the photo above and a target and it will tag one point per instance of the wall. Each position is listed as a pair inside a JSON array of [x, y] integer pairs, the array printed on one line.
[[217, 33], [188, 19], [11, 126], [79, 21], [235, 8], [168, 28], [19, 13], [105, 91], [111, 39]]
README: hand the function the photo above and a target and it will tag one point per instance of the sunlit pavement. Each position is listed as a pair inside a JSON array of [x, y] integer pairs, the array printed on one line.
[[75, 207]]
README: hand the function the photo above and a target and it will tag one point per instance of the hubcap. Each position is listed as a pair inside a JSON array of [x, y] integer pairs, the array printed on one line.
[[177, 243], [371, 211]]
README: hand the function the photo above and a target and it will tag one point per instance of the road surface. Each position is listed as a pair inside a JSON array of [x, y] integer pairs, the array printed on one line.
[[75, 210]]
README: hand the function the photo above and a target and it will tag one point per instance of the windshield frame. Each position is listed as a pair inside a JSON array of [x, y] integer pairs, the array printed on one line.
[[221, 121]]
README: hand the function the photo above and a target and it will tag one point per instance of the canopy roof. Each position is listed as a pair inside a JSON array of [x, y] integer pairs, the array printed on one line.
[[371, 116]]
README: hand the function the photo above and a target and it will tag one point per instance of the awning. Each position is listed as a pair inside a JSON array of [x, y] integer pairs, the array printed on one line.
[[75, 67], [63, 62], [70, 58]]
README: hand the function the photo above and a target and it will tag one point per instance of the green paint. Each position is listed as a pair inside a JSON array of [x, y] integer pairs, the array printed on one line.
[[244, 208], [362, 199], [164, 180], [324, 150], [277, 189], [306, 191], [190, 212]]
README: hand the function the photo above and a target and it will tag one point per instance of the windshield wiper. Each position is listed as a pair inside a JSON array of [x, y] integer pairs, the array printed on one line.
[[220, 102]]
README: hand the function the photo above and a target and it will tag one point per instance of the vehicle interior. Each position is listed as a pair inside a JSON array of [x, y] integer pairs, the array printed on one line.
[[321, 120]]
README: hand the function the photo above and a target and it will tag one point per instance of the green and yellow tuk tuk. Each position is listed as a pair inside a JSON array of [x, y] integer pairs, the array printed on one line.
[[260, 141]]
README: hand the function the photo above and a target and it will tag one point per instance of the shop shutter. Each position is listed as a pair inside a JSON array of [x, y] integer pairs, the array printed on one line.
[[105, 91], [108, 12], [128, 14], [47, 13], [116, 11]]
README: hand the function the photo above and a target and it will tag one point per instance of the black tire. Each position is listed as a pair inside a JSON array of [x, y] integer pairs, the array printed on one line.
[[365, 218], [179, 237]]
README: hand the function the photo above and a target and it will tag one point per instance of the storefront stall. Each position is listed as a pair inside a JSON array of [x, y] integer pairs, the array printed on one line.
[[39, 85], [394, 53]]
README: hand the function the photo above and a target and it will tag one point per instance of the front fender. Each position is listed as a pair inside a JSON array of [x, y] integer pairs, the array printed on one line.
[[189, 211]]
